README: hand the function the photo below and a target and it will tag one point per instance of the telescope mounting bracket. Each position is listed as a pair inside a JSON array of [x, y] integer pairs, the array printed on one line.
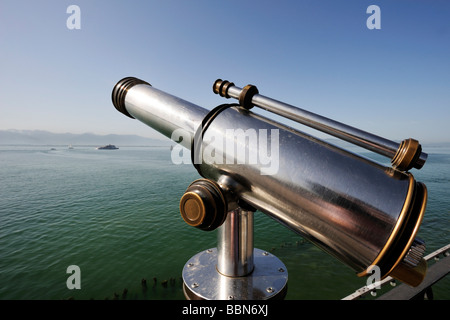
[[235, 270]]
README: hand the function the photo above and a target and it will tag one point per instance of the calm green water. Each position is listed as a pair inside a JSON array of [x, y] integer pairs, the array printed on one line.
[[115, 215]]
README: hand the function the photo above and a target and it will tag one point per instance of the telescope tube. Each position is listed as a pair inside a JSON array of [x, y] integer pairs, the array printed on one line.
[[361, 212], [161, 111]]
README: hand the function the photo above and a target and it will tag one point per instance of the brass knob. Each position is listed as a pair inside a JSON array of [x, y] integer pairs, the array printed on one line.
[[203, 205]]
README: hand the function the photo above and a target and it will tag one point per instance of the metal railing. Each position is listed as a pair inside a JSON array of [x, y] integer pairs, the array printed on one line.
[[395, 294]]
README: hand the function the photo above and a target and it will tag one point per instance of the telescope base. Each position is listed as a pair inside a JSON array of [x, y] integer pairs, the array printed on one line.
[[202, 281]]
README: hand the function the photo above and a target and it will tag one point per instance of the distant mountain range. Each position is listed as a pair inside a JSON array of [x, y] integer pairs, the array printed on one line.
[[38, 137]]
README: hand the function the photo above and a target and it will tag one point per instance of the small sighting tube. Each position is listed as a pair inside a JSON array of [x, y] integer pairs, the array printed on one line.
[[337, 129]]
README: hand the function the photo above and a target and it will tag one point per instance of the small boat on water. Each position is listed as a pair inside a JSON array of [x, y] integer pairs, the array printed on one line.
[[108, 147]]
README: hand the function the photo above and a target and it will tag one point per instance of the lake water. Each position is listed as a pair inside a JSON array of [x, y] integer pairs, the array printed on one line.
[[115, 215]]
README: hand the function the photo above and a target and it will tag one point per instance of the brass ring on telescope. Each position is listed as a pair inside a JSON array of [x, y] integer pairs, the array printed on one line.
[[403, 234], [412, 275], [220, 87], [397, 227], [246, 96]]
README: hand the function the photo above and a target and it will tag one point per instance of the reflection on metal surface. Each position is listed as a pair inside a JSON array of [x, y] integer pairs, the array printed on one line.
[[357, 210]]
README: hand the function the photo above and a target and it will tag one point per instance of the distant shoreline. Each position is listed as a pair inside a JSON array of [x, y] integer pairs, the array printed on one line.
[[46, 138], [14, 137], [81, 146]]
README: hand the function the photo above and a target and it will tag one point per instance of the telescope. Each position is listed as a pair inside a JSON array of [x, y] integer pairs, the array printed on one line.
[[363, 213]]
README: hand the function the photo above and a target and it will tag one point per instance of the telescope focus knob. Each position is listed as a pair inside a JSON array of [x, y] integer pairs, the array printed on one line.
[[203, 205]]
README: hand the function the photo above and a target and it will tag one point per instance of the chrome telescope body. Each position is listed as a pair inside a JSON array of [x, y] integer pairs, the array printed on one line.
[[363, 213]]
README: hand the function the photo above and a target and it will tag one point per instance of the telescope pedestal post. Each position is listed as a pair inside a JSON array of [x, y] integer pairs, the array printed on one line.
[[235, 270], [235, 244]]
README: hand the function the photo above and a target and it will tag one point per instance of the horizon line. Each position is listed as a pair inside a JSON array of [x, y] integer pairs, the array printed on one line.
[[164, 139]]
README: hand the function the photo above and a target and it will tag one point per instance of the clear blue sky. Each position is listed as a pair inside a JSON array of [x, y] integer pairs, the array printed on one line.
[[318, 55]]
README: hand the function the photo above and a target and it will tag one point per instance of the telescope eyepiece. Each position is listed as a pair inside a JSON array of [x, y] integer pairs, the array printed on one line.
[[408, 156], [220, 87]]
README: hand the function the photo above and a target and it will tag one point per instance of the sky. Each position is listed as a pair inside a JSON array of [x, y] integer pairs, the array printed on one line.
[[318, 55]]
